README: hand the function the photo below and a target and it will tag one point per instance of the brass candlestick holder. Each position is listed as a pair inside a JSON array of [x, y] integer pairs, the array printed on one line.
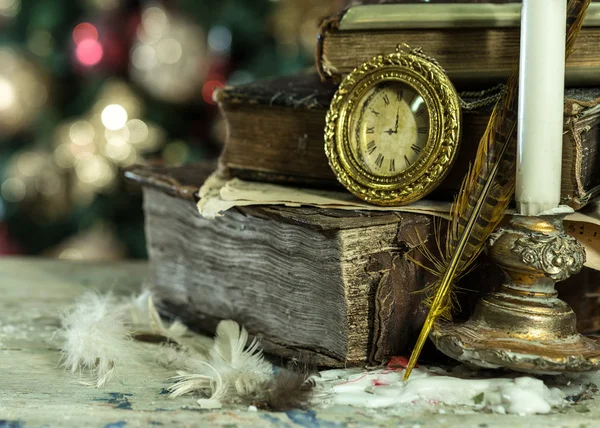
[[524, 326]]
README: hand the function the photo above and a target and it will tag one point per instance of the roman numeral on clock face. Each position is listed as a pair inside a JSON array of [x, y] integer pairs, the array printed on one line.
[[392, 165], [422, 130], [371, 146], [400, 95], [386, 99], [416, 149], [370, 129], [407, 161], [379, 160], [375, 112]]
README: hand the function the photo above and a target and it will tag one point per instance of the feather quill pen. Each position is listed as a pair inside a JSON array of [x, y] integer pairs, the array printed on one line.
[[484, 195]]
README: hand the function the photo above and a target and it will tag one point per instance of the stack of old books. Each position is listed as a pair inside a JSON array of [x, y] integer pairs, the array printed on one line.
[[319, 283]]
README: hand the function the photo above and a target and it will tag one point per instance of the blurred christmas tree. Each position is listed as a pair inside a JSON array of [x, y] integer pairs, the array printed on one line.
[[88, 88]]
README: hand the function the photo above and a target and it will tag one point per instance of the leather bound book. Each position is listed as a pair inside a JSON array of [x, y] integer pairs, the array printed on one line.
[[275, 134], [475, 42]]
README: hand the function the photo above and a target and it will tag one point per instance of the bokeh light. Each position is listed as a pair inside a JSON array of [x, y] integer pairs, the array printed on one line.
[[7, 94], [30, 164], [23, 91], [114, 117], [84, 31], [105, 5], [168, 51], [13, 190], [170, 58], [82, 133], [89, 52], [143, 57], [40, 43], [176, 153], [9, 8], [208, 90], [138, 131], [219, 39]]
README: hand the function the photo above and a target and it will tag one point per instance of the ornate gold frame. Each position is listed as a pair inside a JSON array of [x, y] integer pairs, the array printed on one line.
[[442, 102]]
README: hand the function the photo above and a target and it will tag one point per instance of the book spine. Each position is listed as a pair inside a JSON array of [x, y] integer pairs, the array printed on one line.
[[328, 25]]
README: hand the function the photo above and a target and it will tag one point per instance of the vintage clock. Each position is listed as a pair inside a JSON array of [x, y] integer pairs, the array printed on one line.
[[393, 128]]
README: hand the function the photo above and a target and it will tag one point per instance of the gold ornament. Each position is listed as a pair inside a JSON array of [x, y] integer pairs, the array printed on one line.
[[393, 127], [169, 58]]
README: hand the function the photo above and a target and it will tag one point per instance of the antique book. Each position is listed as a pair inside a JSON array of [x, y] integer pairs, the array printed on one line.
[[313, 284], [326, 286], [475, 43], [275, 134]]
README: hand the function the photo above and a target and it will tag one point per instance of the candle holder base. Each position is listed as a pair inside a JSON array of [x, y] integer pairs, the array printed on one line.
[[524, 326]]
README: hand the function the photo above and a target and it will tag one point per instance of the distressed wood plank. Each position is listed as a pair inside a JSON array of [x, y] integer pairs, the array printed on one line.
[[35, 392]]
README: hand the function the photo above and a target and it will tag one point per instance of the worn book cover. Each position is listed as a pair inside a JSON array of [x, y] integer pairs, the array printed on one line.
[[275, 134], [476, 43]]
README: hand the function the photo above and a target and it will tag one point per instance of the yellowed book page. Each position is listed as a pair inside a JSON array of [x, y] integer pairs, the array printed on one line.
[[585, 226], [221, 195]]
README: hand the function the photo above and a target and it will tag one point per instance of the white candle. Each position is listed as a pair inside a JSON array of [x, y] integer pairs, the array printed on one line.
[[541, 100]]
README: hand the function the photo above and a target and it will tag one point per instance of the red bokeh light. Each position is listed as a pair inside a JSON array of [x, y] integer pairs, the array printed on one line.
[[89, 52], [84, 31], [209, 88]]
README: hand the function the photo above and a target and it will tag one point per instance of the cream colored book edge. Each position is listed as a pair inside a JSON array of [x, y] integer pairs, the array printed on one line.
[[442, 15]]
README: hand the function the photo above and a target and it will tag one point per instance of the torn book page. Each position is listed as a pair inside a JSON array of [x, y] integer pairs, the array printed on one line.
[[218, 195]]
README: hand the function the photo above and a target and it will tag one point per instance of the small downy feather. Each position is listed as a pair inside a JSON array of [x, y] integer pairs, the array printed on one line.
[[484, 195], [101, 334], [287, 390], [96, 338], [148, 326], [145, 317], [231, 370]]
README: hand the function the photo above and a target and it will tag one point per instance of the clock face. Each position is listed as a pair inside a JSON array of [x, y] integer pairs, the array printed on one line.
[[388, 128], [392, 129]]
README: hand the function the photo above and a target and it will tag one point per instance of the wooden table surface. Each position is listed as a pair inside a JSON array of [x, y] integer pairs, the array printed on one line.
[[35, 391]]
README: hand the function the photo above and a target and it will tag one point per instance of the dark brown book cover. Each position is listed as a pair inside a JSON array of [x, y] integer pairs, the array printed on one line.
[[275, 134], [470, 56]]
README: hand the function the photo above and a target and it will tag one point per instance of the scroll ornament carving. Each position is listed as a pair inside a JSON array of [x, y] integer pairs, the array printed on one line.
[[558, 255]]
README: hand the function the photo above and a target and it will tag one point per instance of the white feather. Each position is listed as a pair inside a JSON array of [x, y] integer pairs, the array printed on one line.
[[96, 337], [177, 357], [145, 317], [230, 371], [97, 333], [144, 314]]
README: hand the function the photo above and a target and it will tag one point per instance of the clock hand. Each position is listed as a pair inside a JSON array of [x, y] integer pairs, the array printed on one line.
[[395, 130]]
